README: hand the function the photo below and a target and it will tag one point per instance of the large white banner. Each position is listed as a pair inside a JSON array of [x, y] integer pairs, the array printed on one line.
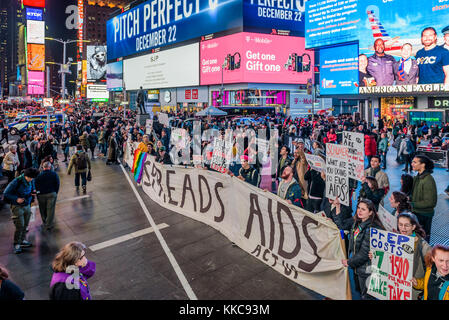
[[304, 247], [166, 69]]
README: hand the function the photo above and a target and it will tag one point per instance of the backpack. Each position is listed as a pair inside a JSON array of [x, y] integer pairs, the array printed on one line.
[[410, 147], [81, 161]]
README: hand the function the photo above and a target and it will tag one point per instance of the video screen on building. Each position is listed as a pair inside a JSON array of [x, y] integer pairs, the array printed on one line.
[[114, 76], [96, 62], [34, 3], [35, 31], [339, 70], [36, 82], [254, 57], [36, 57], [403, 51]]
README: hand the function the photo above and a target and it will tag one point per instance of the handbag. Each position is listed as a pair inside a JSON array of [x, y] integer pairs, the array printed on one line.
[[89, 176]]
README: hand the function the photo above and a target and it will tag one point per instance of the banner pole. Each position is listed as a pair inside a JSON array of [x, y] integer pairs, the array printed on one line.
[[348, 282]]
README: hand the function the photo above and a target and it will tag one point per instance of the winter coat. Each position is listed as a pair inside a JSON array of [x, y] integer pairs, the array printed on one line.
[[383, 145], [11, 161], [423, 284], [299, 170], [84, 141], [360, 247], [375, 196], [344, 220], [424, 194], [315, 184], [58, 286], [73, 161], [20, 188]]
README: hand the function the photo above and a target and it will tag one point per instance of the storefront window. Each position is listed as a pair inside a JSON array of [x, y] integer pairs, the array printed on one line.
[[394, 108], [248, 97]]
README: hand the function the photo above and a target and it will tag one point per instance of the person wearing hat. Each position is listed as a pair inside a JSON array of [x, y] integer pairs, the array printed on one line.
[[247, 172], [163, 157]]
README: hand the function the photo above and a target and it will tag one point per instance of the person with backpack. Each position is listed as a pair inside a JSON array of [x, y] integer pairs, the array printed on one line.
[[20, 194], [80, 161], [407, 151]]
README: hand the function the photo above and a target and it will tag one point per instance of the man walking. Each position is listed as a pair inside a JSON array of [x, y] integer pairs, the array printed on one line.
[[47, 187], [80, 161], [11, 163], [19, 194]]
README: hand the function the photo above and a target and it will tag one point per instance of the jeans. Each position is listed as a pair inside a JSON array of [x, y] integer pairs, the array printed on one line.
[[83, 176], [21, 217], [408, 161], [47, 203], [383, 159], [426, 222]]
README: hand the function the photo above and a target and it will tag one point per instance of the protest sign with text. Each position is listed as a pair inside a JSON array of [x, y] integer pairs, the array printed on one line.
[[337, 181], [388, 220], [391, 266], [316, 162], [355, 142]]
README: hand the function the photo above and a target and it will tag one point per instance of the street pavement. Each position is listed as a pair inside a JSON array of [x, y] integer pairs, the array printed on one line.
[[132, 263]]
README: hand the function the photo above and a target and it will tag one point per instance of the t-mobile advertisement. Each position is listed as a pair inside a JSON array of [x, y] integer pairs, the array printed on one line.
[[36, 82], [253, 57]]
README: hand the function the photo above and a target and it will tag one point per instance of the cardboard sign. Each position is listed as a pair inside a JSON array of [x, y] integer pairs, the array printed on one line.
[[356, 155], [148, 126], [391, 266], [220, 155], [163, 118], [316, 162], [337, 180], [388, 220]]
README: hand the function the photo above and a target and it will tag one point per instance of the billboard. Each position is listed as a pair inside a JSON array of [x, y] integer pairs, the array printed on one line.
[[171, 68], [114, 76], [254, 57], [34, 14], [97, 91], [35, 31], [331, 22], [279, 15], [36, 83], [34, 3], [403, 51], [148, 25], [96, 62], [339, 70], [36, 57]]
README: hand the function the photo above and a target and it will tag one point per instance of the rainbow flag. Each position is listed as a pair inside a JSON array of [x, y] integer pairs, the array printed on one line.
[[139, 169], [137, 154]]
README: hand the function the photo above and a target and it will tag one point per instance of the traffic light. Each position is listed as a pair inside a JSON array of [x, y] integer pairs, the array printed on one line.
[[219, 99]]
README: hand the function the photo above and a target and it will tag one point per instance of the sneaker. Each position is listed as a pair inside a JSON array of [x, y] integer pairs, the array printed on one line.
[[84, 189], [26, 244], [77, 188], [17, 249]]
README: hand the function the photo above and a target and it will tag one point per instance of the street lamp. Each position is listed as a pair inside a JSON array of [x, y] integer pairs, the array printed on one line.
[[64, 66]]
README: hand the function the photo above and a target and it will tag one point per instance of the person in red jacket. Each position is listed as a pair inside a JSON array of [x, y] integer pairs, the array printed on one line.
[[370, 147], [331, 136]]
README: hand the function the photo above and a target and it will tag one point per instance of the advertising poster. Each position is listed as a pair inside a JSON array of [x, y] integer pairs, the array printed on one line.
[[339, 70], [331, 22], [34, 14], [287, 16], [389, 31], [114, 76], [355, 142], [165, 69], [36, 83], [337, 180], [34, 3], [254, 57], [35, 31], [97, 91], [36, 57], [300, 105], [96, 62], [391, 266], [147, 25]]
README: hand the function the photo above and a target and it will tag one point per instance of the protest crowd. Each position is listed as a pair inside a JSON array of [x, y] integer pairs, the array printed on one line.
[[283, 156]]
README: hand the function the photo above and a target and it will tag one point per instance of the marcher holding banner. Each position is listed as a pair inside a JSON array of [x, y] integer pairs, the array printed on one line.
[[436, 280], [359, 244]]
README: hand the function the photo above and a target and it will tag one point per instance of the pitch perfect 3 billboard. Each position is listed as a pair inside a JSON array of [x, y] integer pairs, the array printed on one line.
[[158, 23], [403, 45]]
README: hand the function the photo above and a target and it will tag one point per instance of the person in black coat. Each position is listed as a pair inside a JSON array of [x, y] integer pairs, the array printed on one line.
[[25, 158], [315, 190], [359, 244], [9, 290]]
